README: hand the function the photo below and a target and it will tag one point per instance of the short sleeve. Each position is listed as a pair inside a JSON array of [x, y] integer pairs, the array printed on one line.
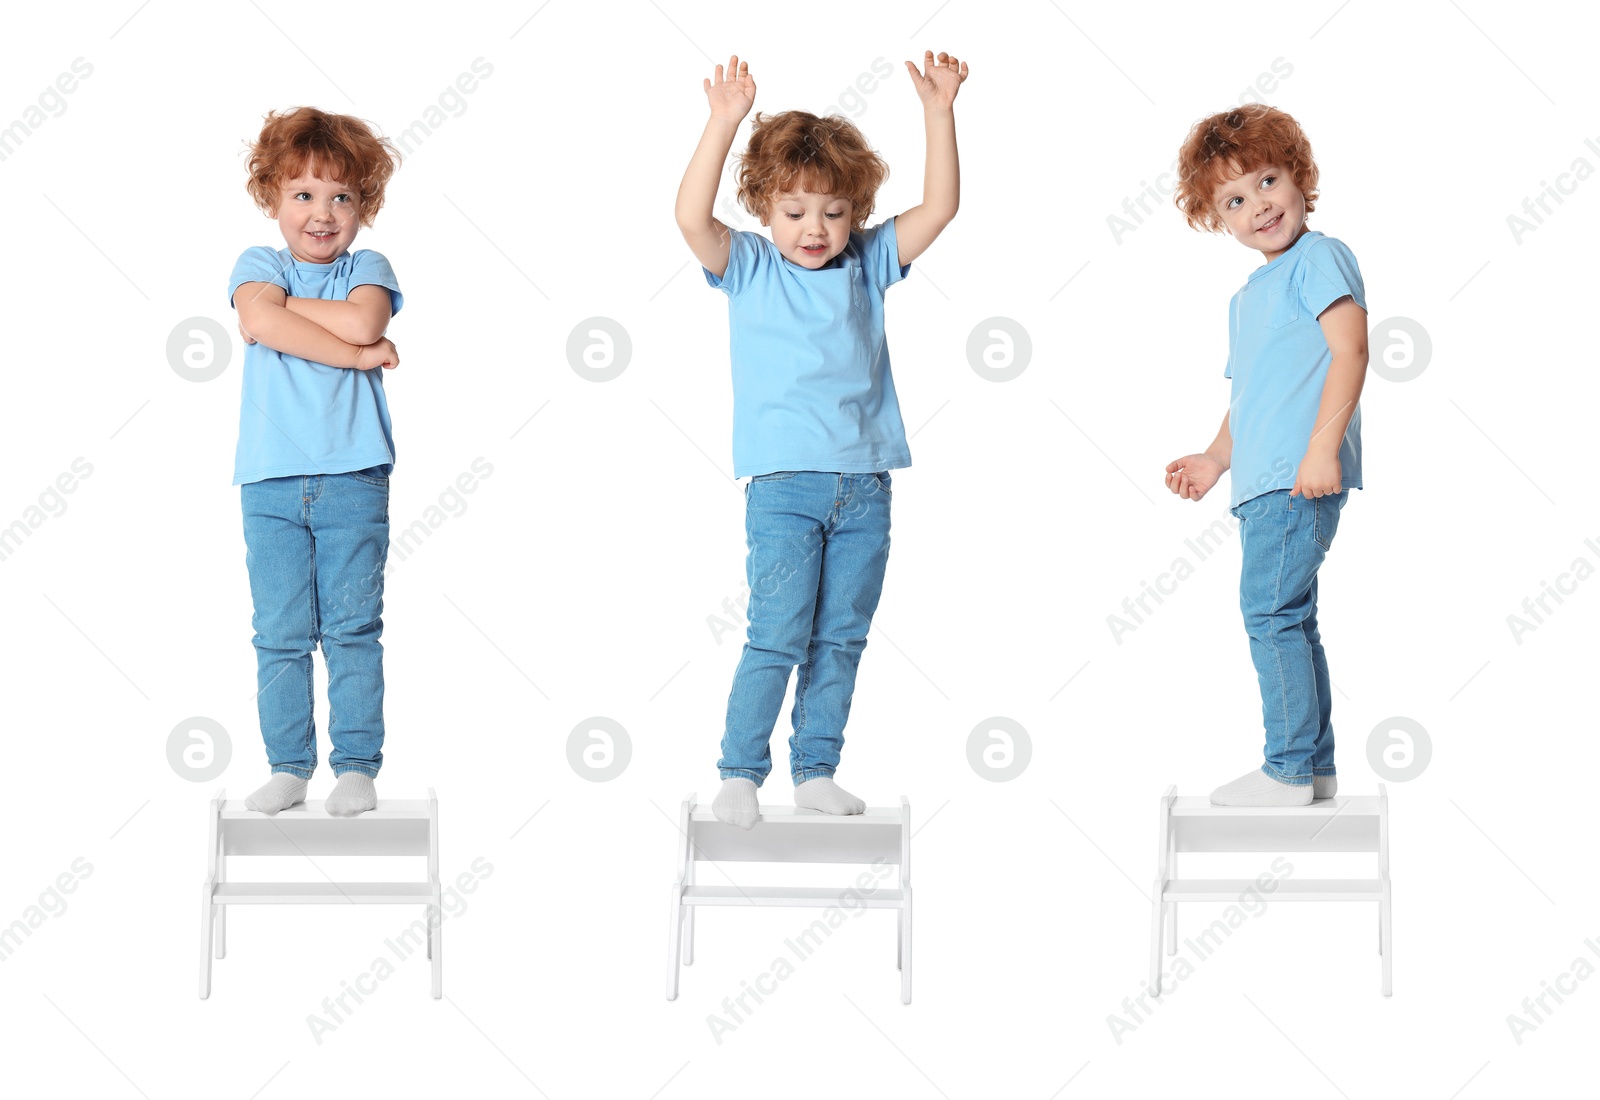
[[880, 256], [744, 261], [1331, 273], [259, 264], [369, 268]]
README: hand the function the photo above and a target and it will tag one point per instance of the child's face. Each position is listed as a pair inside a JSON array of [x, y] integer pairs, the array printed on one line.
[[1262, 209], [810, 228], [319, 218]]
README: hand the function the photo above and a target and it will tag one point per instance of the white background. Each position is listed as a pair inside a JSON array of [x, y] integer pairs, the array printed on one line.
[[579, 579]]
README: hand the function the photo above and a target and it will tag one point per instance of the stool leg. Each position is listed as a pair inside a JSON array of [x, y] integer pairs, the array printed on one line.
[[899, 945], [427, 912], [688, 921], [222, 910], [206, 925], [1172, 906], [1386, 935], [1157, 919], [438, 945], [905, 949], [674, 937]]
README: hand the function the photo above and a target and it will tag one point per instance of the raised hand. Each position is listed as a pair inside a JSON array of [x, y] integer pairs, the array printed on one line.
[[937, 87], [1192, 476], [733, 97]]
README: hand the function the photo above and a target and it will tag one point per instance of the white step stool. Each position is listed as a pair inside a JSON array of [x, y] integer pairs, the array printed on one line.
[[394, 828], [785, 834], [1342, 824]]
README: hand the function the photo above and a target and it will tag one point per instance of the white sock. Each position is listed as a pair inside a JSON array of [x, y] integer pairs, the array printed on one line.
[[826, 795], [280, 792], [1324, 786], [1257, 788], [353, 794], [736, 803]]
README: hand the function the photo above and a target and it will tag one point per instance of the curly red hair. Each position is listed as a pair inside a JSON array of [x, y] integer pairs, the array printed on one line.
[[1231, 143], [335, 147], [799, 151]]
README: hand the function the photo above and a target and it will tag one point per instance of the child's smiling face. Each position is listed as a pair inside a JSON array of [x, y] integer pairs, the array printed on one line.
[[319, 218], [1262, 209], [810, 228]]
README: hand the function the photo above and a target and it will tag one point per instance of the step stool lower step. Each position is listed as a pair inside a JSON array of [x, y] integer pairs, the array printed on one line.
[[1311, 889], [323, 893], [814, 897]]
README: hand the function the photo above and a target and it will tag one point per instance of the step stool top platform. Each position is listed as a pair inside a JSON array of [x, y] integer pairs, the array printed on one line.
[[388, 809], [793, 815], [1341, 805]]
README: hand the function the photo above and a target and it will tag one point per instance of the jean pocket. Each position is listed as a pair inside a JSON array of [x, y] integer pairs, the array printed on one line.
[[1326, 524], [782, 475], [373, 475], [885, 482]]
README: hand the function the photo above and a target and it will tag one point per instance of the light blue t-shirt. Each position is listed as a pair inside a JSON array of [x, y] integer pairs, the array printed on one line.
[[811, 383], [1278, 360], [300, 417]]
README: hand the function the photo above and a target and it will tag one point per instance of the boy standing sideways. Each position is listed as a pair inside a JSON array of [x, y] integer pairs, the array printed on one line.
[[816, 424], [315, 449], [1297, 355]]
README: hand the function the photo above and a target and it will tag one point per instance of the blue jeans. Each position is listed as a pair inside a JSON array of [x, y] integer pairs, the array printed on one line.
[[315, 549], [1283, 540], [818, 544]]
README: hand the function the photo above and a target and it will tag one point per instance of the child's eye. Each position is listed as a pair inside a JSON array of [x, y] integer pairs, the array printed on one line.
[[837, 215], [1232, 201], [1267, 181]]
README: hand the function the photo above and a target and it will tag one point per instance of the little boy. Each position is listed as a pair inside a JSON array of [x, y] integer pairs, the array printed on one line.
[[315, 448], [1297, 355], [816, 424]]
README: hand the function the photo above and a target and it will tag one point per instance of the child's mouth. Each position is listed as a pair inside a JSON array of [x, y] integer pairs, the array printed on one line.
[[319, 235], [814, 249], [1270, 226]]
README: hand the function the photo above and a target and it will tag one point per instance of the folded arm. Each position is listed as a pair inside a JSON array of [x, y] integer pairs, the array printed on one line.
[[264, 314], [362, 319]]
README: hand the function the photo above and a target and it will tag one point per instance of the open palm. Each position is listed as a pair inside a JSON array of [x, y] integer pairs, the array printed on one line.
[[731, 97], [941, 81]]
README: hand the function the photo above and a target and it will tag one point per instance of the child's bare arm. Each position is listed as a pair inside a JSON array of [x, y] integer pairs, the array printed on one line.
[[1192, 476], [917, 228], [730, 99], [1344, 326], [360, 320], [265, 317]]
